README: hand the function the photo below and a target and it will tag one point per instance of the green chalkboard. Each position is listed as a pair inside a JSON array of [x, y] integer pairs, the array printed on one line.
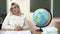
[[36, 4], [56, 9], [2, 8]]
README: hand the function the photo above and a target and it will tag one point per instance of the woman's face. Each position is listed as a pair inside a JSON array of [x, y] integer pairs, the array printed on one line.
[[14, 9]]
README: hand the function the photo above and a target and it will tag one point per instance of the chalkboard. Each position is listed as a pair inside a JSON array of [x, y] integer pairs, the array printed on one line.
[[2, 9], [56, 9], [36, 4]]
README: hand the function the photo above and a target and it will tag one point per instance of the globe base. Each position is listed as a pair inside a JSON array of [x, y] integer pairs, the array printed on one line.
[[39, 30]]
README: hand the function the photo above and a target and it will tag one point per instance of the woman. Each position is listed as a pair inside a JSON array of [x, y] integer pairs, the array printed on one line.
[[16, 20]]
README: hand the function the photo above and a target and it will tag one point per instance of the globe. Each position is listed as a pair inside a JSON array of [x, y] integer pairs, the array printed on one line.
[[42, 17]]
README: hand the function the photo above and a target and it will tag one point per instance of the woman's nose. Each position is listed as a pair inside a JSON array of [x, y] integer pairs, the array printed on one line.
[[14, 9]]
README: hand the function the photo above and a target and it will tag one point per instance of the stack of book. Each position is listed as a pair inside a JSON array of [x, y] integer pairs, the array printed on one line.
[[50, 30]]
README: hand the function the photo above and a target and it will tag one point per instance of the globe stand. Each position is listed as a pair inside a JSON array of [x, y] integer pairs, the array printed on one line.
[[39, 30]]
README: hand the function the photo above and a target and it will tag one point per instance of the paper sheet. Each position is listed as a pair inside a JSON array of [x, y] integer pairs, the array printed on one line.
[[17, 32]]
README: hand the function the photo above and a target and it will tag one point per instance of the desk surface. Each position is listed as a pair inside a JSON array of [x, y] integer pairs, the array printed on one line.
[[16, 32], [33, 31]]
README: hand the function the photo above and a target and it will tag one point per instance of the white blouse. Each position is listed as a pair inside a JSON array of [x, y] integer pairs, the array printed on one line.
[[11, 21]]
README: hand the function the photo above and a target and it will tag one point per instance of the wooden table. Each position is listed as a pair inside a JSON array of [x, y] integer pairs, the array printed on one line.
[[57, 24]]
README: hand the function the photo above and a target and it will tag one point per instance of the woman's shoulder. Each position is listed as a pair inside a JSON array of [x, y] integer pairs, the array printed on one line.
[[7, 15]]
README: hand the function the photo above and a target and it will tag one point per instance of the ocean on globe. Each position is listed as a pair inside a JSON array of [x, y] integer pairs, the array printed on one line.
[[41, 17]]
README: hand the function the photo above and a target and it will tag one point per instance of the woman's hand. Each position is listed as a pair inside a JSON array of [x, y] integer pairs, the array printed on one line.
[[18, 28]]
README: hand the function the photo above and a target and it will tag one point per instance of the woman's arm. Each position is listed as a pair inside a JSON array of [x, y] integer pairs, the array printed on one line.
[[26, 25], [5, 24]]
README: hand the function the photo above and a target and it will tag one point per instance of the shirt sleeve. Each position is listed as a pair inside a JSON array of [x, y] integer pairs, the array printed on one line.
[[5, 24], [26, 25]]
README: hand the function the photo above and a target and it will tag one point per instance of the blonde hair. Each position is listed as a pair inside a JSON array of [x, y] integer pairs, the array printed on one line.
[[15, 5]]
